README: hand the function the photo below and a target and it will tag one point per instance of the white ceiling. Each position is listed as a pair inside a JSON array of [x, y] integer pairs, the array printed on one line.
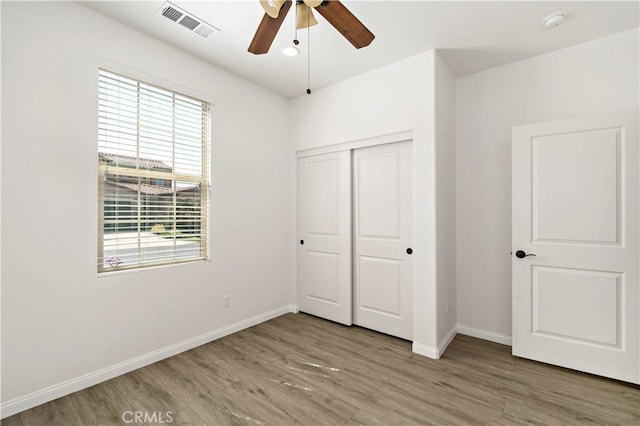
[[471, 36]]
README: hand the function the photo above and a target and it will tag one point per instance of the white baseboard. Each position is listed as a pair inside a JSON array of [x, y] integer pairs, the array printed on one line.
[[447, 339], [50, 393], [424, 350], [435, 353], [485, 335]]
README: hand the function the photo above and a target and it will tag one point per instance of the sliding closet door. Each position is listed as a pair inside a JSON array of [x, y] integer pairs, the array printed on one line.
[[324, 229], [383, 238]]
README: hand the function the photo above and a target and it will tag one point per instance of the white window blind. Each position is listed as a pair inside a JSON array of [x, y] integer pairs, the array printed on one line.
[[153, 175]]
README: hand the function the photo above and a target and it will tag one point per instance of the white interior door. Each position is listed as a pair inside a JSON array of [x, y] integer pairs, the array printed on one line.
[[324, 249], [575, 207], [383, 238]]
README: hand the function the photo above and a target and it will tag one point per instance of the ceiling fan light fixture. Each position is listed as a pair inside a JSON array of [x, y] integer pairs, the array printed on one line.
[[290, 51], [305, 16], [313, 3], [272, 7]]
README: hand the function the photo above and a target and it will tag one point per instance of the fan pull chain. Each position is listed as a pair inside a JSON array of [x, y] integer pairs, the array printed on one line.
[[295, 26], [308, 58]]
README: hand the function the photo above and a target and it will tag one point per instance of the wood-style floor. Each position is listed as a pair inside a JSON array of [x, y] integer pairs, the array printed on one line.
[[305, 370]]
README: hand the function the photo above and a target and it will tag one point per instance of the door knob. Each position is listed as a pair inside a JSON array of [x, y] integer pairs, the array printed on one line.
[[409, 250], [521, 254], [301, 242]]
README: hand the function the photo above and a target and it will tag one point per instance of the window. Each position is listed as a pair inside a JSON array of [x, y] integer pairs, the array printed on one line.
[[153, 170]]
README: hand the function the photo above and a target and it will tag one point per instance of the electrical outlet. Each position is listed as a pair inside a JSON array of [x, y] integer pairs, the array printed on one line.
[[227, 301]]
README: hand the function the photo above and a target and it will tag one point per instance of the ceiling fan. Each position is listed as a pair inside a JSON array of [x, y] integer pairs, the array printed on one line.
[[332, 10]]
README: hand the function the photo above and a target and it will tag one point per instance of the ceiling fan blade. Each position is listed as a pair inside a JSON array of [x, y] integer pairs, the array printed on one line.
[[346, 23], [305, 16], [267, 31]]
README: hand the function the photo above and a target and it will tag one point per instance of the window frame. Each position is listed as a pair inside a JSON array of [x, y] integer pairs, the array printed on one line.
[[204, 180]]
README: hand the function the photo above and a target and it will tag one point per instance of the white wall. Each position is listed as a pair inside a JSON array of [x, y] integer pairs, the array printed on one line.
[[59, 320], [395, 98], [597, 77], [445, 126]]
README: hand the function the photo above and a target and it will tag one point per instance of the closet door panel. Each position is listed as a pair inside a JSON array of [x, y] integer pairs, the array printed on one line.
[[383, 238], [324, 229]]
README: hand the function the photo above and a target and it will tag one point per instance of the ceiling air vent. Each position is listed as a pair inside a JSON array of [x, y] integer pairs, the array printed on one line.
[[187, 20], [171, 13]]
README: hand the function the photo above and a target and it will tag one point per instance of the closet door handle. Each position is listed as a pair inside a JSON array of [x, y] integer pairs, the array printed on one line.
[[301, 242], [409, 250]]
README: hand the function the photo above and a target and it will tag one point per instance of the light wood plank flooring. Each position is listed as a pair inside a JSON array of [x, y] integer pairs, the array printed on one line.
[[305, 370]]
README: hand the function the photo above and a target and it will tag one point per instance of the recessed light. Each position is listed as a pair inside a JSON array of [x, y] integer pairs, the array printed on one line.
[[554, 19], [290, 51]]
